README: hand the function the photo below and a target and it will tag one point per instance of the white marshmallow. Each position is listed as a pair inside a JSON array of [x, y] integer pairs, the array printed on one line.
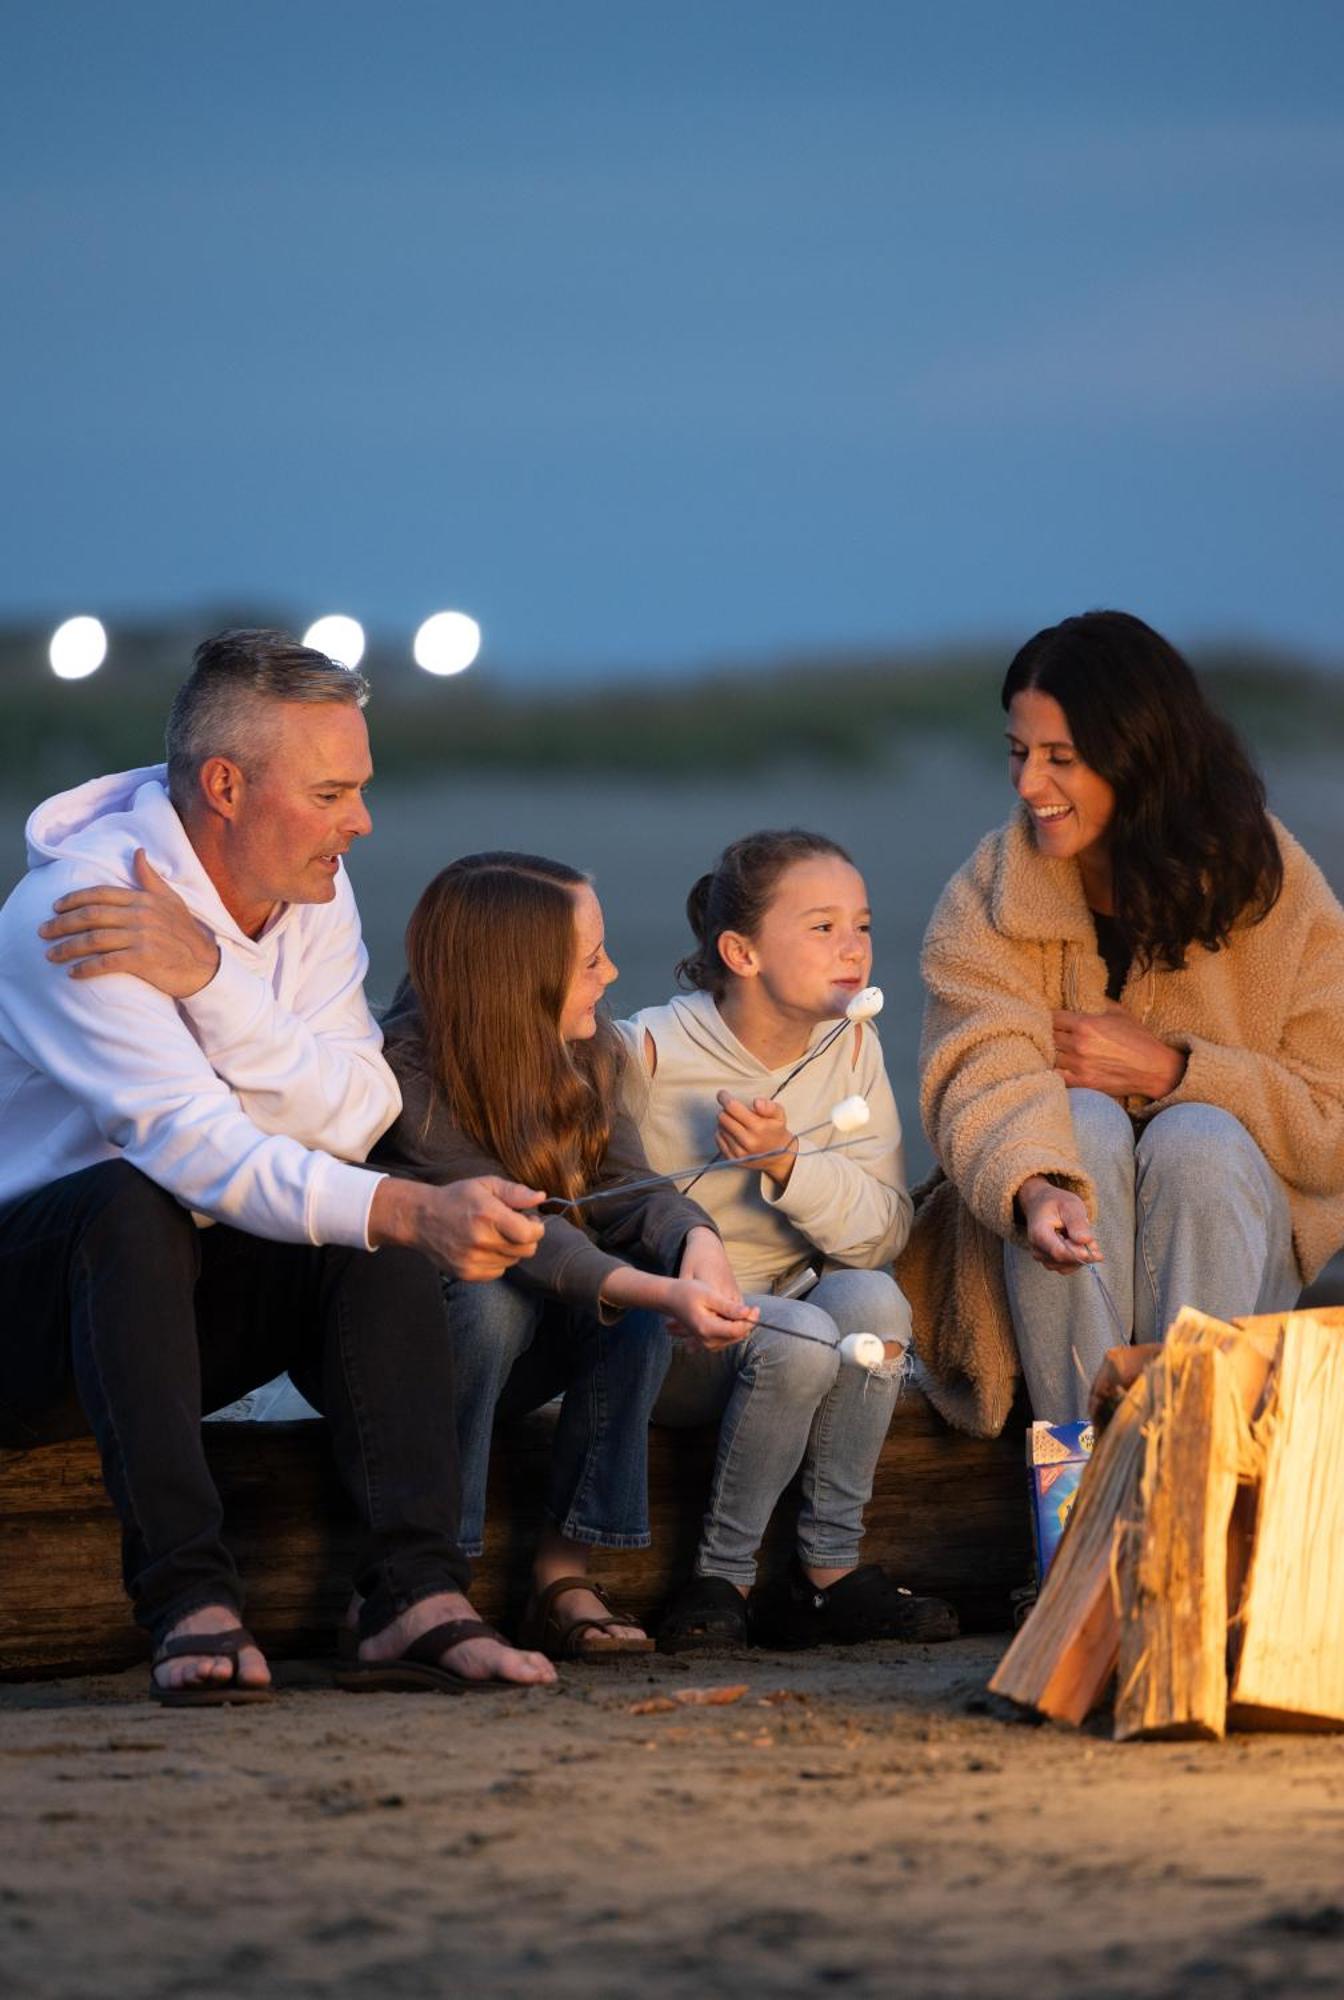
[[850, 1114], [865, 1004], [863, 1350]]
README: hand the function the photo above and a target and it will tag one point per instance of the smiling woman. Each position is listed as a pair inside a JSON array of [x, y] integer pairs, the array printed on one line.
[[1133, 1052]]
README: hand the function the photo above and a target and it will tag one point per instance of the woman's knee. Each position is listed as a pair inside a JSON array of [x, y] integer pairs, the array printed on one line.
[[1200, 1151], [1100, 1124]]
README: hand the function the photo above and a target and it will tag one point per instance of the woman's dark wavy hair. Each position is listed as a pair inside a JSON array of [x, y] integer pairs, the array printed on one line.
[[1192, 849], [736, 893]]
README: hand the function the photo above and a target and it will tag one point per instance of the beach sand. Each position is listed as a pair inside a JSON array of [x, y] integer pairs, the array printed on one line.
[[867, 1822]]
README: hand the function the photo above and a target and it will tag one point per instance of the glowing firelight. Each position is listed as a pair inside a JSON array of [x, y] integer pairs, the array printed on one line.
[[339, 637], [78, 648], [447, 643]]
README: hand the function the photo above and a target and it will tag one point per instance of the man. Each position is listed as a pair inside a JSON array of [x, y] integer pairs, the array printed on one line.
[[184, 1042]]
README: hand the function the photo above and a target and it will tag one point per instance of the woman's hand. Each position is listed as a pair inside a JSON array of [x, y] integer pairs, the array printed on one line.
[[1114, 1053], [758, 1127], [1059, 1234]]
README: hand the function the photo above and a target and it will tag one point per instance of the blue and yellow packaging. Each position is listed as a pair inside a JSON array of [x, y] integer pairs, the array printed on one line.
[[1056, 1456]]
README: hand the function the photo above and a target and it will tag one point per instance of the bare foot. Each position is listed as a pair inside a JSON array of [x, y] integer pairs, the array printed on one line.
[[198, 1670], [474, 1659]]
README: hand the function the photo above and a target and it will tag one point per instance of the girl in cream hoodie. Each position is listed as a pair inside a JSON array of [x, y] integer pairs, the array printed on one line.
[[742, 1065]]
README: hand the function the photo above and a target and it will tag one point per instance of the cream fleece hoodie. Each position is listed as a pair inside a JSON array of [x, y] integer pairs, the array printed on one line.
[[245, 1101], [851, 1206]]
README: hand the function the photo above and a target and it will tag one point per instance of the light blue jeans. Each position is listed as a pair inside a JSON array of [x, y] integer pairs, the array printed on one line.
[[784, 1403], [515, 1349], [1189, 1213]]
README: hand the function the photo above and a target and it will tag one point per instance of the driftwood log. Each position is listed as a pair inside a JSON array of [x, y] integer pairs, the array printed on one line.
[[948, 1515]]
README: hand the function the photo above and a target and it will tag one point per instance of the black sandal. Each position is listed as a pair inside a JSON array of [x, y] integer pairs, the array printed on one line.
[[417, 1670], [225, 1645], [707, 1615]]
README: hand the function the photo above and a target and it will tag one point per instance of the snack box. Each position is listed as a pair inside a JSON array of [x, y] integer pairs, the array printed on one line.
[[1056, 1456]]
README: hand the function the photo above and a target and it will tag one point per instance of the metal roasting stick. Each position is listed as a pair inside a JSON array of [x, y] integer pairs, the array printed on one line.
[[819, 1050], [715, 1166]]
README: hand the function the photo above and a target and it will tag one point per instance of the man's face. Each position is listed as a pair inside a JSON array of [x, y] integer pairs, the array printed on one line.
[[300, 808]]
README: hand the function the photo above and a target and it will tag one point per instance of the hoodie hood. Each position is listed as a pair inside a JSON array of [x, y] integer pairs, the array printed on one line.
[[99, 825]]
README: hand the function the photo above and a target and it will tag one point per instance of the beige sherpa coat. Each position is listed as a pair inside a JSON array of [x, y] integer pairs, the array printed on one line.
[[1262, 1022]]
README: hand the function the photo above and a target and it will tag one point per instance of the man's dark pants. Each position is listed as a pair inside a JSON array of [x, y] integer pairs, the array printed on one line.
[[114, 1303]]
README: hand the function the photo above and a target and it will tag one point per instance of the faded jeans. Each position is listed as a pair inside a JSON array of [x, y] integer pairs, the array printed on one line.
[[515, 1349], [782, 1403], [1189, 1212]]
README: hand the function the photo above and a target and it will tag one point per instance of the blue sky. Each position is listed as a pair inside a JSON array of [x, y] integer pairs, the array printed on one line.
[[656, 334]]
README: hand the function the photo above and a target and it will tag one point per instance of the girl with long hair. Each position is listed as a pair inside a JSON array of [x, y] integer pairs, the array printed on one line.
[[757, 1053], [507, 1066], [1133, 1056]]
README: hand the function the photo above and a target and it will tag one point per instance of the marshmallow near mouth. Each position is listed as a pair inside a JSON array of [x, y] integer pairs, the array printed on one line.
[[865, 1004], [851, 1114]]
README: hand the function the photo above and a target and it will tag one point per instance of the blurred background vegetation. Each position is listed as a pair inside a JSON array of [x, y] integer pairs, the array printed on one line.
[[839, 709]]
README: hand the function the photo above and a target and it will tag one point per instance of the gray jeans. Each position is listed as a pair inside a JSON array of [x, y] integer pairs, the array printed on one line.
[[1189, 1212], [784, 1403]]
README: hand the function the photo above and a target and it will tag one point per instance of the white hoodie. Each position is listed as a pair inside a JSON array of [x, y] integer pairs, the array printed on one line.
[[245, 1101]]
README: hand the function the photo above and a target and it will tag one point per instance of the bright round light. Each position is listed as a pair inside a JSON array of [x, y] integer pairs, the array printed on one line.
[[447, 643], [78, 648], [339, 637]]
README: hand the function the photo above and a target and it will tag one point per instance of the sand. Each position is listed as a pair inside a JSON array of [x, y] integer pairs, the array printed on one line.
[[865, 1822]]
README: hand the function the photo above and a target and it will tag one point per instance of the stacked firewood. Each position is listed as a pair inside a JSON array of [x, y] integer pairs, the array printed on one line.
[[1203, 1563]]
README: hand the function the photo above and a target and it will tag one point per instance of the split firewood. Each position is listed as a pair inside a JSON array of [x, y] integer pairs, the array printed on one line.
[[1172, 1549], [1288, 1639], [1062, 1660]]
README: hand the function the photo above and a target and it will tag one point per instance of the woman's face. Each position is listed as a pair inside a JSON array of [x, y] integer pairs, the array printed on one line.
[[592, 971], [813, 947], [1071, 805]]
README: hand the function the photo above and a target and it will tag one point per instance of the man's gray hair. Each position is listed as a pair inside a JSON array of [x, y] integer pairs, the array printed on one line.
[[215, 712]]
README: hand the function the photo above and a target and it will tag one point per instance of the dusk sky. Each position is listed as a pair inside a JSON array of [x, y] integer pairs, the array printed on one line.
[[656, 334]]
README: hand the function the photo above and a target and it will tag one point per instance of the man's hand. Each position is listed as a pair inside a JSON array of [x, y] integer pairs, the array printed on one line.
[[1059, 1234], [758, 1127], [148, 932], [1119, 1371], [474, 1229], [1114, 1053]]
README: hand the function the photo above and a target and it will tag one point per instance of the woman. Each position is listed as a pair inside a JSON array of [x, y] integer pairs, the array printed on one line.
[[505, 1066], [744, 1063], [1133, 1050]]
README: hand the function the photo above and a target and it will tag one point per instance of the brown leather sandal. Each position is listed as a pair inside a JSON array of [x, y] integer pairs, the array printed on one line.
[[226, 1645], [582, 1639], [417, 1670]]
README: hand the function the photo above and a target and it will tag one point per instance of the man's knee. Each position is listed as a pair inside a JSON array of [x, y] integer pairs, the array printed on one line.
[[121, 1209]]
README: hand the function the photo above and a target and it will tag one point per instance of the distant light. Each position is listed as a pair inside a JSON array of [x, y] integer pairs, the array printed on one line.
[[78, 648], [339, 637], [447, 643]]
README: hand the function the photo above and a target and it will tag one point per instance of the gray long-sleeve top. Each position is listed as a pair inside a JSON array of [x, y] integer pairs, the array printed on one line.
[[572, 1261]]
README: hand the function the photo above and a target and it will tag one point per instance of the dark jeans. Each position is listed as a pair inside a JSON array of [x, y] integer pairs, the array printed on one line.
[[119, 1315], [514, 1349]]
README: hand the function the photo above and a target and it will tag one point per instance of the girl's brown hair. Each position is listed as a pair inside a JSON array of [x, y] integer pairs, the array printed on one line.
[[736, 894], [490, 949]]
